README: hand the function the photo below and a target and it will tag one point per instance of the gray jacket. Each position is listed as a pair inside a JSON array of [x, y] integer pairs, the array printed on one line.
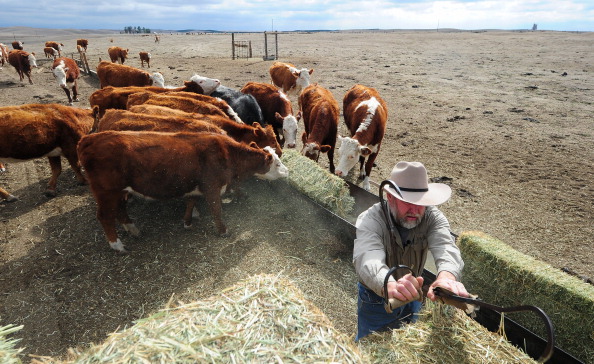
[[373, 259]]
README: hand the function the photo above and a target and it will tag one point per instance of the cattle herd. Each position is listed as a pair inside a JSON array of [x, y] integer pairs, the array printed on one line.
[[141, 137]]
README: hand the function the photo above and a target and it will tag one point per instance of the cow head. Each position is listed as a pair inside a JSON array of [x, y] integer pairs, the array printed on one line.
[[349, 152], [265, 137], [206, 85], [289, 131], [276, 168], [158, 79], [302, 77], [312, 150], [60, 73], [31, 59]]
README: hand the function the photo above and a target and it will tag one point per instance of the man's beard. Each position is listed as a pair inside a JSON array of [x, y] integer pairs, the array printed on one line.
[[410, 224]]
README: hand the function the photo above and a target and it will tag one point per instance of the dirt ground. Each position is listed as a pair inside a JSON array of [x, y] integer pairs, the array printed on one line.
[[504, 117]]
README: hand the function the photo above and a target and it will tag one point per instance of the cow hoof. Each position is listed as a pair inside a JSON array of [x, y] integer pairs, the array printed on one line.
[[187, 227], [131, 229], [118, 246], [226, 234], [50, 193], [11, 198]]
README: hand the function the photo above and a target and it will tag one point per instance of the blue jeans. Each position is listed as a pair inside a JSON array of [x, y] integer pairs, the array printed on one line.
[[372, 316]]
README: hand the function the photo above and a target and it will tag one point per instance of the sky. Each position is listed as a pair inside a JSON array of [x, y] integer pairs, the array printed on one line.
[[287, 15]]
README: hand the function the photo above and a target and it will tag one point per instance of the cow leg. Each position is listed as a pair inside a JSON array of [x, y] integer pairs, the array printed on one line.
[[124, 219], [29, 77], [67, 91], [72, 158], [107, 210], [361, 165], [75, 91], [213, 200], [7, 196], [56, 166], [368, 166], [189, 213], [331, 159]]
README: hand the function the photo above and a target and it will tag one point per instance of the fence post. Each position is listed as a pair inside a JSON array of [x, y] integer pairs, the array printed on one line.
[[276, 45], [265, 46], [232, 45]]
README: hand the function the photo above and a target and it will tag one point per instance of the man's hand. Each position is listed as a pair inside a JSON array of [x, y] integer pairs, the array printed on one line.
[[448, 281], [406, 289]]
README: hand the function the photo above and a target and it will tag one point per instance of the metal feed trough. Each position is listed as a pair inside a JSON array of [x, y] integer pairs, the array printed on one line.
[[516, 334]]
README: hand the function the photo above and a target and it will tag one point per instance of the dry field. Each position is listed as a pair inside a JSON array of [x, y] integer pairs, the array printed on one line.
[[504, 117]]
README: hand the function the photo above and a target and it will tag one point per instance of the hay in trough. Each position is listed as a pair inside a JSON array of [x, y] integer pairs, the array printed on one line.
[[262, 319], [444, 335], [8, 352], [502, 275], [320, 185]]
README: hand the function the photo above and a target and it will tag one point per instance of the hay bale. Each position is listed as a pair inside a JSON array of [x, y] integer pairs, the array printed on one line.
[[320, 185], [444, 335], [262, 319], [502, 275], [8, 353]]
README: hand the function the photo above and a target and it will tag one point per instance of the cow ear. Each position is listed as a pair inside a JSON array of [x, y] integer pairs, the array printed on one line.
[[304, 137], [278, 117], [253, 145], [298, 117], [325, 148], [256, 124], [311, 71], [365, 151]]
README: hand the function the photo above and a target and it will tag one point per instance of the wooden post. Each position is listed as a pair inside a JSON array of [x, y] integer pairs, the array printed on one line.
[[265, 46], [232, 45], [276, 45], [250, 49]]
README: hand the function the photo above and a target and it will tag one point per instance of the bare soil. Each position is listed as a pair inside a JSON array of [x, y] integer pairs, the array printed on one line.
[[504, 117]]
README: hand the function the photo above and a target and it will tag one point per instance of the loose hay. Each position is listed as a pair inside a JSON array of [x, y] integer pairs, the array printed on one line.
[[320, 185], [502, 275], [444, 335], [8, 352], [261, 319]]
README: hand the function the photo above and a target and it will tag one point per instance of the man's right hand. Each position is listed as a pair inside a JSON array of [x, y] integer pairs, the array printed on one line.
[[406, 289]]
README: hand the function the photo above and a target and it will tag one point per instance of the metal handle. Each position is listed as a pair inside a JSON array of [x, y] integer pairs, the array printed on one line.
[[390, 304]]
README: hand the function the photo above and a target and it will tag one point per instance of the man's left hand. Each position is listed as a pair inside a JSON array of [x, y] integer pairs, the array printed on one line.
[[447, 281]]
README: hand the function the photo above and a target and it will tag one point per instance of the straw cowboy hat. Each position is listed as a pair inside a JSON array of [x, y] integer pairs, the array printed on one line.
[[413, 187]]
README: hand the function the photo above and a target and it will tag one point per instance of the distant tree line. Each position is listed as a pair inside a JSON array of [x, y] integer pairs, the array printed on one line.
[[136, 30]]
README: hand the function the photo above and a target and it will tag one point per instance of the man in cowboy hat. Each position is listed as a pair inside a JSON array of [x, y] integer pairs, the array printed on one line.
[[400, 231]]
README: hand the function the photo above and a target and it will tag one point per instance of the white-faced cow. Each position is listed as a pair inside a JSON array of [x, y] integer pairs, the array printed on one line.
[[167, 165], [145, 57], [17, 44], [55, 45], [365, 115], [244, 105], [22, 62], [117, 54], [50, 52], [320, 113], [117, 97], [121, 75], [66, 72], [276, 110], [289, 78], [34, 131], [83, 43]]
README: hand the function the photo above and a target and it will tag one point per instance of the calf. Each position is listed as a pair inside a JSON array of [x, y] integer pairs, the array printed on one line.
[[17, 44], [244, 105], [365, 115], [167, 165], [117, 97], [262, 136], [43, 130], [66, 72], [50, 52], [3, 54], [133, 120], [22, 62], [55, 45], [289, 78], [320, 117], [119, 75], [145, 57], [117, 54], [83, 43], [276, 110]]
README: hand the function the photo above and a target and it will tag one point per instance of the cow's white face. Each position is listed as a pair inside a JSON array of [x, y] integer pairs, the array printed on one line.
[[311, 151], [207, 84], [303, 78], [348, 155], [32, 60], [158, 79], [290, 131], [60, 74], [277, 168]]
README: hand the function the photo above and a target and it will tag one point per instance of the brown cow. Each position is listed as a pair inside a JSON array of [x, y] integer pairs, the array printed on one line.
[[289, 78], [22, 62], [120, 75], [17, 44], [145, 57], [365, 115], [167, 165], [117, 54], [83, 43], [218, 102], [55, 45], [43, 130], [115, 119], [175, 102], [50, 52], [262, 136], [66, 72], [117, 97], [320, 117], [276, 110]]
